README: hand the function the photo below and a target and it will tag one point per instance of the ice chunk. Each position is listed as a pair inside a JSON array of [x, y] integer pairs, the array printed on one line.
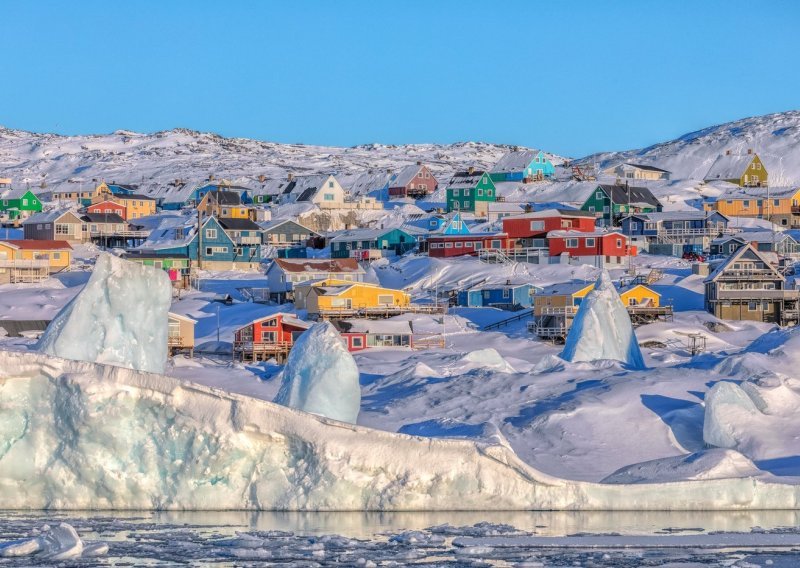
[[728, 407], [321, 376], [602, 329], [119, 318], [715, 463], [487, 358], [53, 544]]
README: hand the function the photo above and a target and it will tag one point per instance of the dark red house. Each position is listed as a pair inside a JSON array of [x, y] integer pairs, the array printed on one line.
[[458, 245], [591, 248], [268, 337], [525, 228], [106, 207], [413, 181]]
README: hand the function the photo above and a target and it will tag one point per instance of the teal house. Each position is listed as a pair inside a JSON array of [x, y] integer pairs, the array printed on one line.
[[471, 191], [610, 203], [523, 165], [371, 243]]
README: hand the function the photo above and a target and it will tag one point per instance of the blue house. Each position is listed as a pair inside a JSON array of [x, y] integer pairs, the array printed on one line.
[[120, 189], [366, 244], [216, 249], [451, 224], [504, 296], [675, 223], [245, 193], [522, 165]]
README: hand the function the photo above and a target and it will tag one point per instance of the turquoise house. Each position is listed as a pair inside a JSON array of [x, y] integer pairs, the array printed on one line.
[[358, 243], [522, 165]]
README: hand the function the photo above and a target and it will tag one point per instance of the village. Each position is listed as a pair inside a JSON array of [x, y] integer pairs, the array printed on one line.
[[260, 259]]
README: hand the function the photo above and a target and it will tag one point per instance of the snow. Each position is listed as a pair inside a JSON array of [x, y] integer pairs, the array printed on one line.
[[119, 318], [321, 376], [727, 407], [709, 464], [602, 329]]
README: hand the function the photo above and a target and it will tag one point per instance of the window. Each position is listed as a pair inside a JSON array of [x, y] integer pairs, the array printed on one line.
[[455, 193], [328, 197], [486, 294], [211, 233], [225, 212], [776, 202], [746, 203], [619, 243], [357, 341], [752, 306], [38, 227], [760, 203], [420, 174], [590, 242], [537, 225], [598, 195], [56, 256], [466, 205], [488, 193], [572, 243], [468, 245], [448, 245], [634, 226], [385, 299], [268, 336], [506, 292], [466, 192], [606, 210], [330, 184], [24, 201], [480, 193], [459, 245], [591, 209]]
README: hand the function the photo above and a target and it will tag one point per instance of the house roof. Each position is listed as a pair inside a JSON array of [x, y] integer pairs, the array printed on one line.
[[225, 197], [736, 192], [102, 218], [631, 194], [367, 182], [515, 161], [646, 168], [764, 236], [729, 166], [182, 317], [628, 287], [676, 215], [238, 224], [362, 234], [31, 244], [504, 206], [295, 265], [47, 216], [465, 180], [268, 226], [741, 251], [405, 176], [134, 196], [565, 288], [16, 193], [565, 233], [545, 213], [287, 318]]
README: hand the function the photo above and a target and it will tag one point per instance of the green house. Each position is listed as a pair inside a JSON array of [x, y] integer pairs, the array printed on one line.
[[19, 203], [471, 192], [610, 203]]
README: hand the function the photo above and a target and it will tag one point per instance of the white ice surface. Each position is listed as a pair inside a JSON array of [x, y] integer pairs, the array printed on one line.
[[321, 376]]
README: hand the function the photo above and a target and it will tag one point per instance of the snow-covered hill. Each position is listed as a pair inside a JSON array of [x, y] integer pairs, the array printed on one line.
[[774, 137]]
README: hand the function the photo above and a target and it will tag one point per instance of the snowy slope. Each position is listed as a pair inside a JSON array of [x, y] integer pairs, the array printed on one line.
[[774, 137]]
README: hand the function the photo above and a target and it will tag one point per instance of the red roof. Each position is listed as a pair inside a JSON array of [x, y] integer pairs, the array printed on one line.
[[318, 265], [38, 245]]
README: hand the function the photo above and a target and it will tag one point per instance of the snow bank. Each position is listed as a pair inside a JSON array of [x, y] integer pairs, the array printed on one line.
[[321, 376], [602, 329], [487, 358], [119, 318], [78, 435], [709, 464]]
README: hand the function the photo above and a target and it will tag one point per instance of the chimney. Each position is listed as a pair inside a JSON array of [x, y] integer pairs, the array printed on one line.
[[262, 178], [289, 176], [727, 152], [419, 162], [749, 150], [471, 170], [210, 177]]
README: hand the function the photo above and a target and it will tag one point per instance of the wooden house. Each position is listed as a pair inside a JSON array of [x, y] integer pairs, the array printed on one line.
[[33, 260], [497, 210], [223, 205], [354, 299], [268, 337], [360, 334], [16, 204], [177, 267], [135, 204], [610, 203], [780, 205], [323, 190], [283, 273], [555, 307], [108, 206], [748, 286], [366, 244], [180, 334], [744, 170], [506, 296], [471, 191], [637, 172], [781, 243], [679, 224], [597, 248], [62, 225], [415, 181], [245, 193], [111, 230], [77, 193], [522, 165], [283, 233], [530, 229], [246, 236], [440, 246]]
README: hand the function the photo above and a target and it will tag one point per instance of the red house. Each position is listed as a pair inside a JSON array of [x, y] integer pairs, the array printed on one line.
[[413, 181], [591, 248], [525, 228], [360, 334], [268, 337], [106, 207], [459, 245]]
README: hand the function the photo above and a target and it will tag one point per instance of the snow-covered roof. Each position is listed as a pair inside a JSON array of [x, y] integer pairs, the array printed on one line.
[[554, 213], [504, 206], [644, 167], [465, 180], [764, 236], [36, 244], [103, 218], [729, 166], [361, 234], [565, 288], [366, 182], [676, 215], [182, 317], [736, 192], [741, 251], [46, 216], [332, 265], [630, 194], [230, 224], [389, 327], [405, 176], [171, 232], [16, 193], [566, 233], [515, 161]]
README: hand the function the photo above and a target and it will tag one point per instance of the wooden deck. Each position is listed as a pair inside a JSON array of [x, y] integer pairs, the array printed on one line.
[[249, 351], [380, 312]]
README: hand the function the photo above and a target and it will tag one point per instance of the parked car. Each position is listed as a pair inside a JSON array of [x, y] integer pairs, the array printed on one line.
[[694, 257]]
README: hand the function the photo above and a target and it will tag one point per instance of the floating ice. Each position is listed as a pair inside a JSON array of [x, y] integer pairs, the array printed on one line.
[[54, 544], [321, 376], [602, 329], [119, 318]]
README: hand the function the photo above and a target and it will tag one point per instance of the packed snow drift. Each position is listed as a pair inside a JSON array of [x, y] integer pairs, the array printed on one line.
[[602, 329], [119, 318], [321, 376]]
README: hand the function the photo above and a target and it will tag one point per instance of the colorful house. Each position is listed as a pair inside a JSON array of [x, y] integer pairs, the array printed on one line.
[[597, 248], [763, 241], [744, 170], [415, 181], [223, 205], [365, 244], [244, 193], [246, 237], [33, 261], [283, 273], [522, 165], [355, 298], [268, 337], [61, 225], [470, 244], [609, 203], [641, 172], [781, 205], [506, 296], [639, 295], [323, 190], [180, 334], [675, 223], [360, 334], [530, 229], [471, 191], [283, 233], [136, 205], [19, 204], [107, 206], [177, 267]]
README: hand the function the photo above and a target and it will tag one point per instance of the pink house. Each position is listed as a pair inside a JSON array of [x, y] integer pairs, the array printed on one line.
[[413, 181]]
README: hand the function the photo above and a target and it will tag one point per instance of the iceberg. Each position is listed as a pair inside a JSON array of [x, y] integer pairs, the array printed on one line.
[[321, 376], [602, 329], [119, 318], [728, 410]]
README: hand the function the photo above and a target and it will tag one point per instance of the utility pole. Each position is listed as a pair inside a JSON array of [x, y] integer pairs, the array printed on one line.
[[199, 240]]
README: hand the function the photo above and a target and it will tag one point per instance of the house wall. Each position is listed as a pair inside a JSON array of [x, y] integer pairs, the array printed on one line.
[[519, 228], [469, 244], [136, 207], [109, 207], [613, 244], [640, 294], [57, 259], [360, 297], [476, 198], [330, 192], [424, 178]]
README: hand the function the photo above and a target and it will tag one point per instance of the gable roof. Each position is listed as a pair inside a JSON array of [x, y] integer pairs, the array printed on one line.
[[49, 216], [238, 224], [31, 244], [736, 192], [225, 197], [337, 265], [729, 166], [750, 250], [565, 288], [134, 197], [676, 215], [351, 235], [405, 176], [515, 161], [182, 317], [630, 194], [102, 218], [554, 212], [390, 327], [272, 225], [17, 193], [465, 180], [646, 168]]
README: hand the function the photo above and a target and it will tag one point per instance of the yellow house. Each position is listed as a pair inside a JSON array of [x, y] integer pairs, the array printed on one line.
[[180, 334], [33, 260], [354, 296], [224, 205], [560, 296], [745, 170], [303, 289], [639, 295], [135, 205], [779, 205]]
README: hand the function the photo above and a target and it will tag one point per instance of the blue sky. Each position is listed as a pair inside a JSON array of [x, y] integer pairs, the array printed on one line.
[[569, 77]]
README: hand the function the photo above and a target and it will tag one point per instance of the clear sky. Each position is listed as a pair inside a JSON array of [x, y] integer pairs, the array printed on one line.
[[571, 77]]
